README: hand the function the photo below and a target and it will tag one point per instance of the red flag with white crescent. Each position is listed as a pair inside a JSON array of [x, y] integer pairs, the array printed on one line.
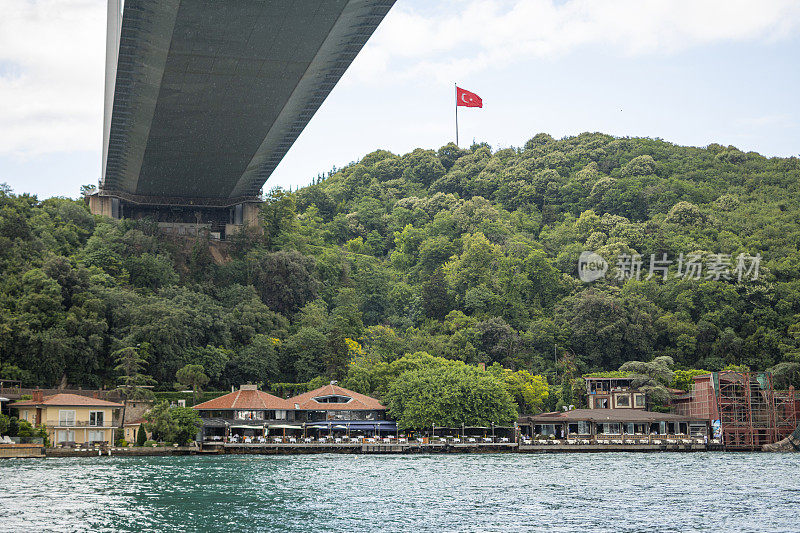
[[467, 99]]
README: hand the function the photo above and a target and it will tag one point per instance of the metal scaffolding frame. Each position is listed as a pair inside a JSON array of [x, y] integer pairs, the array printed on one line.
[[750, 412]]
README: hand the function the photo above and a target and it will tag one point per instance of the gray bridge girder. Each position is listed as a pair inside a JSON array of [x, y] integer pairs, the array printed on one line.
[[205, 97]]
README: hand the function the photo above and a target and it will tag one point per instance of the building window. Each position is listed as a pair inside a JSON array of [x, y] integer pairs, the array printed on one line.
[[601, 403], [333, 398], [249, 415], [623, 400], [95, 418], [638, 400], [579, 428], [612, 428], [64, 435], [545, 429], [66, 417], [96, 436]]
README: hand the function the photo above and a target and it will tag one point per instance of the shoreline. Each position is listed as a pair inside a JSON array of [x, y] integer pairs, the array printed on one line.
[[33, 451]]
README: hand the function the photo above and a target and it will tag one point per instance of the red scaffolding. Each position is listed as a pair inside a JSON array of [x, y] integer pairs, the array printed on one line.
[[750, 413]]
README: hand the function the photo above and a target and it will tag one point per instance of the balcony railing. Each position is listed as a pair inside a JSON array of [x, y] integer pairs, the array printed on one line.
[[77, 424]]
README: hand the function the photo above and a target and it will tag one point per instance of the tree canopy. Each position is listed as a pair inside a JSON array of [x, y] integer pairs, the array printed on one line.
[[468, 255]]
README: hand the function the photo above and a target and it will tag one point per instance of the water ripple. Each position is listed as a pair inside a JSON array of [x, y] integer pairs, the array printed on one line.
[[502, 492]]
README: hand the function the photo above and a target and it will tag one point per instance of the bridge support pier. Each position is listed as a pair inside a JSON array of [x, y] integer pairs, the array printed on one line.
[[181, 216]]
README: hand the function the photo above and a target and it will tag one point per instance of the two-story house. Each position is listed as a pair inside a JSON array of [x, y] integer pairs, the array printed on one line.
[[70, 418], [613, 393]]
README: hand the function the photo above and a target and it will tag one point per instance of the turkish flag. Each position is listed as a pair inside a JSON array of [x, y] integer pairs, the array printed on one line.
[[467, 99]]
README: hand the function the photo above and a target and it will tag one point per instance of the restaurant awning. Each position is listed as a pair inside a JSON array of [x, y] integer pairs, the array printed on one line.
[[361, 425], [243, 426], [284, 426]]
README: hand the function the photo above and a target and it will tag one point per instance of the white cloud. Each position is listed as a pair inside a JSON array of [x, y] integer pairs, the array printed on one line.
[[462, 38], [52, 57], [52, 51]]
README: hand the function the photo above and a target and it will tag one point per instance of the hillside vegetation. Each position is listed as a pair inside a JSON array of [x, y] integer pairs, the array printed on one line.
[[464, 254]]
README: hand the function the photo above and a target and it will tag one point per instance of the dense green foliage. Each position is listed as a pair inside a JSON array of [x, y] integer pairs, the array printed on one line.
[[421, 390], [465, 254], [172, 424]]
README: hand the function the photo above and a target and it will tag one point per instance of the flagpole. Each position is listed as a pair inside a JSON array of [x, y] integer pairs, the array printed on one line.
[[456, 88]]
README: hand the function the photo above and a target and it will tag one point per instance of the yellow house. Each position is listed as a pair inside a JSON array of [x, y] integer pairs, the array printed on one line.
[[131, 430], [70, 418]]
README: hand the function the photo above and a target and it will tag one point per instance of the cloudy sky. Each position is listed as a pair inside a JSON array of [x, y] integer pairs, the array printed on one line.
[[687, 71]]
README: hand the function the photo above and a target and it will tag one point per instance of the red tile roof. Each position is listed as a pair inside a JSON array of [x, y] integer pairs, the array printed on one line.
[[357, 402], [246, 399], [66, 400]]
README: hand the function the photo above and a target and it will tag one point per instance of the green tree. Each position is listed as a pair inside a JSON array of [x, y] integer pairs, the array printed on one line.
[[652, 377], [528, 391], [141, 435], [192, 376], [130, 365], [450, 396], [160, 423], [186, 423]]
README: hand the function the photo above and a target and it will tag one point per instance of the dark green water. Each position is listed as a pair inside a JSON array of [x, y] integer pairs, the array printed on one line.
[[503, 492]]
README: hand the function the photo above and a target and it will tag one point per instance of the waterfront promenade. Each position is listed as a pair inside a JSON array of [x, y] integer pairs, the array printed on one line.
[[370, 446]]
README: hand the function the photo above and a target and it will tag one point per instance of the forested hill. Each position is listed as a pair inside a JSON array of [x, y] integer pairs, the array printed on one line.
[[463, 254]]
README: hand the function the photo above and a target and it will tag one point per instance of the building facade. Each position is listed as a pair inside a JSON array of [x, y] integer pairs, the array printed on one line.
[[335, 408], [71, 419], [602, 423], [247, 412], [613, 393]]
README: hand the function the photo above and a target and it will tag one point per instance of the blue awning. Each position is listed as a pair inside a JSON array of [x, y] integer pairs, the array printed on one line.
[[360, 425]]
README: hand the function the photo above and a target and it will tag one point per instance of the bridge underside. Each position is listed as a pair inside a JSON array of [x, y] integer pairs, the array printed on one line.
[[204, 98]]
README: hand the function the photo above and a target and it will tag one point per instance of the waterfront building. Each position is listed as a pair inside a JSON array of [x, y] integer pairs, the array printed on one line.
[[247, 412], [71, 419], [602, 423], [132, 428], [743, 408], [613, 393], [332, 408]]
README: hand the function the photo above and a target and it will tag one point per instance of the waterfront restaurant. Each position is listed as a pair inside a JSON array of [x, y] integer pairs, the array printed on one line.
[[247, 414], [601, 423], [335, 410], [71, 419]]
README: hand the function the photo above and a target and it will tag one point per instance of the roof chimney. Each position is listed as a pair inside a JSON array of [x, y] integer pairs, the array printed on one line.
[[96, 394], [248, 387], [38, 396], [482, 366]]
